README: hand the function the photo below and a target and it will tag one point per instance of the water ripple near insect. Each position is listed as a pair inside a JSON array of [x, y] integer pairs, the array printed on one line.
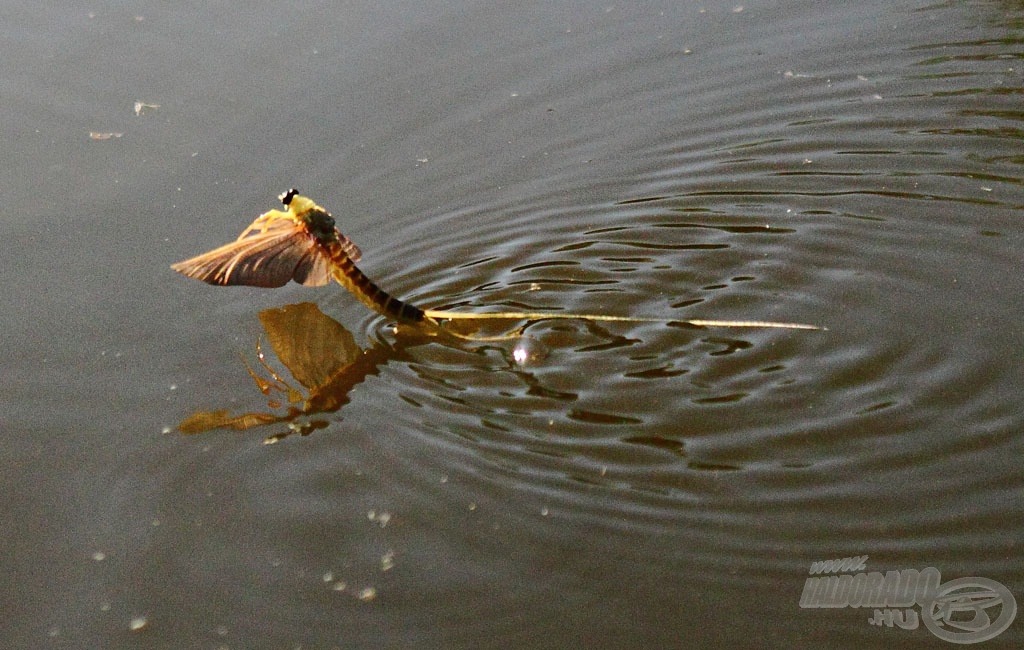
[[833, 214]]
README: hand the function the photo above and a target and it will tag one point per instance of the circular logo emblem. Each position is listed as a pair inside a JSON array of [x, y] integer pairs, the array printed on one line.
[[963, 608]]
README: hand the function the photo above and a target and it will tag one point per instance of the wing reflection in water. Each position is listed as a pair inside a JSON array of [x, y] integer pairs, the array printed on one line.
[[321, 356]]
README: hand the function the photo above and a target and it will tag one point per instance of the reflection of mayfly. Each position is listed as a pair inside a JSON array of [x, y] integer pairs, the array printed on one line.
[[302, 244], [324, 362]]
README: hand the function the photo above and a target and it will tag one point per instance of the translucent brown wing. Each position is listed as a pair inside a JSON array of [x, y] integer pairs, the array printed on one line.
[[349, 247], [269, 255]]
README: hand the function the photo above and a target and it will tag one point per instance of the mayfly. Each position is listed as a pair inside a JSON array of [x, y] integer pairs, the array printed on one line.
[[301, 243]]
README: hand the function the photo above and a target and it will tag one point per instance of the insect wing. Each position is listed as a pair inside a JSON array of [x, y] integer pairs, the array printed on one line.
[[313, 269], [349, 247], [269, 256]]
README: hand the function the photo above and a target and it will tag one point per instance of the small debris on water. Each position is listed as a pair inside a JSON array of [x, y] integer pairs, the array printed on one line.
[[142, 107], [138, 623], [104, 135], [381, 518], [367, 594]]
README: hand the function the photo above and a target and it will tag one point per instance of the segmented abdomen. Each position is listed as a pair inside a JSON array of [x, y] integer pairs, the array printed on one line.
[[348, 275]]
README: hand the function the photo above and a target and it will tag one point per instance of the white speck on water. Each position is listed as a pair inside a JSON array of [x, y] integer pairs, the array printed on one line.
[[138, 623], [381, 518], [528, 351], [142, 107], [367, 594]]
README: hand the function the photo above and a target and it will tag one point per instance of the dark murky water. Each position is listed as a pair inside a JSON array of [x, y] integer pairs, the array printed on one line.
[[856, 166]]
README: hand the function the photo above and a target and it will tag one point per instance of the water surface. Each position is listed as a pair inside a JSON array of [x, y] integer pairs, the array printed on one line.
[[636, 485]]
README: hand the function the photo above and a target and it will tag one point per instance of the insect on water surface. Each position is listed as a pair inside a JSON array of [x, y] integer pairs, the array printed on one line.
[[302, 243]]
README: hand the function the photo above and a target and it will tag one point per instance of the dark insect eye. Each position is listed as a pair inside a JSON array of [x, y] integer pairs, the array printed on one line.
[[287, 197]]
